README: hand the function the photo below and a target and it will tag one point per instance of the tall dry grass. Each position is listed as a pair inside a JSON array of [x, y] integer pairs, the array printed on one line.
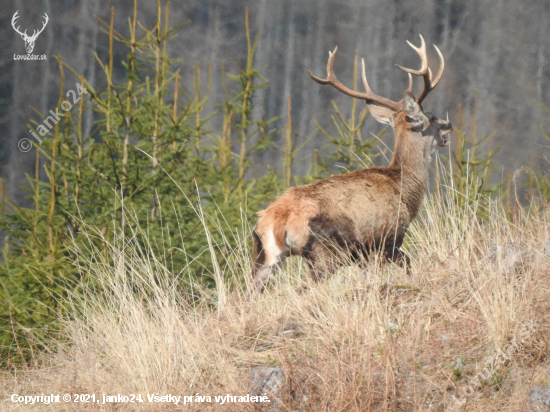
[[370, 338]]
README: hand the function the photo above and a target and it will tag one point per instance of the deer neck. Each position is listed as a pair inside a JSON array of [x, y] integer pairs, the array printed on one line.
[[411, 161]]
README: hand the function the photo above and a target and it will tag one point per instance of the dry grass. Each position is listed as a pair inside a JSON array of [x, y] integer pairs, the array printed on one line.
[[368, 339]]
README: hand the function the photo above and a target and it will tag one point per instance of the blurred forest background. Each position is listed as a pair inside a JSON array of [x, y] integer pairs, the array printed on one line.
[[499, 48]]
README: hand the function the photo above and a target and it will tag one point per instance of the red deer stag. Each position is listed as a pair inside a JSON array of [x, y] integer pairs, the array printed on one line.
[[362, 211]]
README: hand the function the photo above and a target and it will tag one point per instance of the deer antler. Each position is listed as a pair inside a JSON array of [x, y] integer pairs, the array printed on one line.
[[369, 96], [425, 71], [15, 17]]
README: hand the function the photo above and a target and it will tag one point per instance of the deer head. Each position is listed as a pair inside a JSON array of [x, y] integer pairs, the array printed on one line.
[[29, 40], [414, 129]]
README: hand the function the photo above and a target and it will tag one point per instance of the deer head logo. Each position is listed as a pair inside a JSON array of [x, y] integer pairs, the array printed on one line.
[[29, 40]]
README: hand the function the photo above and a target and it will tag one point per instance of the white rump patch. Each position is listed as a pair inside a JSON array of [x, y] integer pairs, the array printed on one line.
[[273, 250]]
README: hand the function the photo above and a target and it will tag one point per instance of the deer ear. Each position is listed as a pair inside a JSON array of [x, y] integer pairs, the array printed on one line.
[[414, 112], [410, 107], [381, 113]]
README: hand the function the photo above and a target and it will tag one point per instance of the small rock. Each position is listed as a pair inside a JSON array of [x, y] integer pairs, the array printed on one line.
[[545, 248], [539, 399], [268, 381], [292, 329]]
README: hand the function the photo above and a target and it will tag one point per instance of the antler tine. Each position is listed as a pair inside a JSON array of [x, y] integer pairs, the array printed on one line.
[[425, 71], [423, 58], [368, 96], [364, 76], [366, 85], [410, 88], [441, 67], [330, 73]]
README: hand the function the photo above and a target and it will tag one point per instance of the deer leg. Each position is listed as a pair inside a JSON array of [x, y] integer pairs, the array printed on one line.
[[400, 258], [317, 272], [321, 261]]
